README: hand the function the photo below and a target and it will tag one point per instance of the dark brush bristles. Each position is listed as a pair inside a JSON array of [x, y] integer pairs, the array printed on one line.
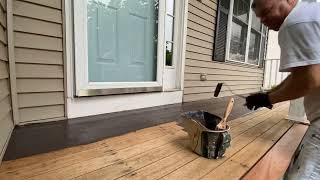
[[218, 89]]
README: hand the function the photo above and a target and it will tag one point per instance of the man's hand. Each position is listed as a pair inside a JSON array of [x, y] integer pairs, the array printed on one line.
[[258, 100]]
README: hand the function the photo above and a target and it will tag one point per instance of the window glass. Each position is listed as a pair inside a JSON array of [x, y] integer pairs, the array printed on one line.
[[254, 48], [238, 41], [122, 40], [241, 10]]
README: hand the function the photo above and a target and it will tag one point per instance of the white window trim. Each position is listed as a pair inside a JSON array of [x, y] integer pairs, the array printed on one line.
[[81, 61], [229, 32]]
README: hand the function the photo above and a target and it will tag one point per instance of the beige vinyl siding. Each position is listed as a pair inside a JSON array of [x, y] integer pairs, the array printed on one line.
[[241, 78], [6, 121], [38, 39]]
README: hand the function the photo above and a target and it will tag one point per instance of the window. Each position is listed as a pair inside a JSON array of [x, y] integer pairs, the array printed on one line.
[[240, 36], [126, 46]]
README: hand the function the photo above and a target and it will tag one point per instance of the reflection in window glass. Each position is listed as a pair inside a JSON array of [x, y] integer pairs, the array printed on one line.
[[254, 48], [170, 32], [238, 42], [256, 23], [241, 10], [169, 53], [169, 28], [225, 3], [170, 7]]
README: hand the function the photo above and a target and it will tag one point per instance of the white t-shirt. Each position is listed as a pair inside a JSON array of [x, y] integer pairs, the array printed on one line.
[[299, 40]]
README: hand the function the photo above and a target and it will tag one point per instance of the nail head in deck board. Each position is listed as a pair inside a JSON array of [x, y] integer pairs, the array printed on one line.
[[275, 163]]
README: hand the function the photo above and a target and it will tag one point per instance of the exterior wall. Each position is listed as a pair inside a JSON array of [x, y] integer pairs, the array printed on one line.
[[272, 75], [38, 34], [241, 78], [6, 123]]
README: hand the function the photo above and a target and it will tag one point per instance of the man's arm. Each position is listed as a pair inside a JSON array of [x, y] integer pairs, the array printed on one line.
[[302, 81], [279, 86]]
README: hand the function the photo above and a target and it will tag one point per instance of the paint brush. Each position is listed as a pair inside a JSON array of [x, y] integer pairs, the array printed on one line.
[[219, 87]]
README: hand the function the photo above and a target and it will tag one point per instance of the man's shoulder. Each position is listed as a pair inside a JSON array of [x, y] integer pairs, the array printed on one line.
[[304, 13]]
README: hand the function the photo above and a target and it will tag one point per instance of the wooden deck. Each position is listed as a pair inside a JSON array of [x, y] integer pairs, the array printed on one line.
[[159, 152]]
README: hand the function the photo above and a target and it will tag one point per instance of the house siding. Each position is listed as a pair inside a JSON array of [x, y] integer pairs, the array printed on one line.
[[241, 78], [6, 122], [38, 40]]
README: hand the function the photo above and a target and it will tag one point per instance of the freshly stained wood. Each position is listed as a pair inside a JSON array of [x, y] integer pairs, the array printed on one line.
[[159, 152], [31, 10], [276, 161], [35, 56], [23, 24]]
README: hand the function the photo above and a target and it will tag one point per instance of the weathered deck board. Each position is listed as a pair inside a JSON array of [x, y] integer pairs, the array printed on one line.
[[159, 152]]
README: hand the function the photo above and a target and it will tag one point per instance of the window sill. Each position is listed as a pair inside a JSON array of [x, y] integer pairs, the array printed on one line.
[[243, 64]]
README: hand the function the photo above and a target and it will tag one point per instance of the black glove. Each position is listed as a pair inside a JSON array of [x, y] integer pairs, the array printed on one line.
[[258, 100]]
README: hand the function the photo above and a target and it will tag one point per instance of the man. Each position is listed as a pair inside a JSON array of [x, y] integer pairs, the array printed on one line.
[[298, 24]]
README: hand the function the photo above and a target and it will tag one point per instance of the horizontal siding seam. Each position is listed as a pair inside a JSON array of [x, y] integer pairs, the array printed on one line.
[[228, 63], [44, 35], [213, 16], [225, 69], [39, 106], [214, 23], [18, 15], [201, 25], [40, 5], [196, 73], [49, 78], [199, 52], [17, 62], [211, 35], [204, 4], [223, 91], [199, 47], [38, 49]]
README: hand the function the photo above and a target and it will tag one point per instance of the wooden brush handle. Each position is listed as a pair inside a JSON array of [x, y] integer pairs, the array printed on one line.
[[228, 109]]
